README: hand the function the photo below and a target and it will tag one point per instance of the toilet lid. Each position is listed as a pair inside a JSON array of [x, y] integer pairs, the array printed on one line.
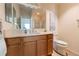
[[61, 42]]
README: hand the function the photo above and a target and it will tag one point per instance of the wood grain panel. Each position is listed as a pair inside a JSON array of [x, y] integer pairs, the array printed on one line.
[[50, 46], [42, 47], [50, 36], [12, 41], [13, 50], [30, 48]]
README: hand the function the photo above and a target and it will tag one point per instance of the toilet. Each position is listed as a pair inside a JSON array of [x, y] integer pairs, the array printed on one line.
[[60, 46]]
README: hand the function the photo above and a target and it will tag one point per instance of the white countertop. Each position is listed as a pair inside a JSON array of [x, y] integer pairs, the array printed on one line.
[[21, 34]]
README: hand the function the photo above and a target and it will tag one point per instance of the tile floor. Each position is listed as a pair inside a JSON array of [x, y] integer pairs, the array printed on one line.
[[55, 54]]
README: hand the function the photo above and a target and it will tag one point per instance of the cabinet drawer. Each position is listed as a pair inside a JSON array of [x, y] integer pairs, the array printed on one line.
[[42, 37], [13, 41], [34, 38]]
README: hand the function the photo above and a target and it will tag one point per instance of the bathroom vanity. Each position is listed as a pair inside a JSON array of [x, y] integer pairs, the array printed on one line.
[[29, 44]]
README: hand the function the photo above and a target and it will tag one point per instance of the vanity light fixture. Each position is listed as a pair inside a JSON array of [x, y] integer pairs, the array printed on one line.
[[38, 13], [31, 6]]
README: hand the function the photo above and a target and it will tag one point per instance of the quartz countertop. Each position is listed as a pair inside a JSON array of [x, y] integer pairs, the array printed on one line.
[[21, 34]]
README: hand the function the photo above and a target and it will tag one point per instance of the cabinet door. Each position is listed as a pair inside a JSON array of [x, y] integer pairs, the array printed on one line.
[[50, 46], [30, 48], [13, 50], [42, 47], [14, 46]]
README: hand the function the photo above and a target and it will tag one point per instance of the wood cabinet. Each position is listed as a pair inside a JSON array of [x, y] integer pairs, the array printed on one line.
[[50, 47], [30, 48], [50, 44], [13, 46], [13, 50], [40, 45]]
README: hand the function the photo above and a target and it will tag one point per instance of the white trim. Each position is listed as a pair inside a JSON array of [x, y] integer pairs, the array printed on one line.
[[51, 21], [47, 20]]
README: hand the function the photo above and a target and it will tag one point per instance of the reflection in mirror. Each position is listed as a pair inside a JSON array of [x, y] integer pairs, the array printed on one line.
[[25, 17], [14, 15], [38, 18], [10, 13]]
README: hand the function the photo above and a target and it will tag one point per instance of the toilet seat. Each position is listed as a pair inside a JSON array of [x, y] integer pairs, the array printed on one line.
[[60, 42]]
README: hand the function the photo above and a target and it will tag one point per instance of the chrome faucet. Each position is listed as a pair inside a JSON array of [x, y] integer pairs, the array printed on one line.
[[25, 30]]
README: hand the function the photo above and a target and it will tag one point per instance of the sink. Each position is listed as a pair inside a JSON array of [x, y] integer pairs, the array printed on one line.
[[33, 33]]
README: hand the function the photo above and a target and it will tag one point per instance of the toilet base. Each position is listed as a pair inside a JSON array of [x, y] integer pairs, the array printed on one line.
[[60, 53]]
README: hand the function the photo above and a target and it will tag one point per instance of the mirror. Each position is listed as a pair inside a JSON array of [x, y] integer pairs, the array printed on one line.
[[25, 17], [10, 13], [38, 18]]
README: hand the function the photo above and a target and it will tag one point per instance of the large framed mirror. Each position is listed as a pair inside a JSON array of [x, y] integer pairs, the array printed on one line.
[[25, 17]]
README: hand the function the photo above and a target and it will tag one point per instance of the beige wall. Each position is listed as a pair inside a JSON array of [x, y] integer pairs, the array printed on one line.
[[67, 25]]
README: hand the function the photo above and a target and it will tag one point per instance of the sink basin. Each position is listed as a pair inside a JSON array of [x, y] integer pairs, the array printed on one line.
[[33, 33]]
